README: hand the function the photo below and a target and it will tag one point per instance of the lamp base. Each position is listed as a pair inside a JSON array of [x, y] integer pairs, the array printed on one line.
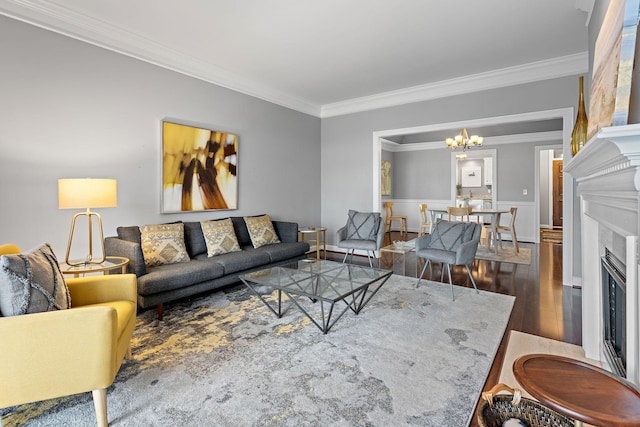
[[89, 259]]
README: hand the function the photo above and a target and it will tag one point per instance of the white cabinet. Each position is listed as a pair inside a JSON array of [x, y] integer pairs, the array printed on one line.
[[488, 171]]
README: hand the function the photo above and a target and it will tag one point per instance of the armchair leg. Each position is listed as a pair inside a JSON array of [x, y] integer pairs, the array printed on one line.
[[450, 281], [128, 354], [422, 273], [471, 277], [345, 256], [369, 258], [100, 405]]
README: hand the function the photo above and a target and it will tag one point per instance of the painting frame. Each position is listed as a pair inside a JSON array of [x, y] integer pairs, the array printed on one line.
[[199, 168], [471, 176]]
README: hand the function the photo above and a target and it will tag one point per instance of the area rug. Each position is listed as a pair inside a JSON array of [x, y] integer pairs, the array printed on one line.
[[411, 357], [506, 254]]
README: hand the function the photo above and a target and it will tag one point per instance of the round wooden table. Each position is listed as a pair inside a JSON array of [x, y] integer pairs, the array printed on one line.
[[579, 390]]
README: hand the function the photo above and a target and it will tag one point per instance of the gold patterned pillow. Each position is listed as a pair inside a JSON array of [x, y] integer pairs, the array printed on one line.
[[219, 237], [163, 244], [261, 230]]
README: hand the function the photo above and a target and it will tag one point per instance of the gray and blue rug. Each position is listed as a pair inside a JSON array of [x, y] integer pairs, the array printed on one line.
[[411, 357]]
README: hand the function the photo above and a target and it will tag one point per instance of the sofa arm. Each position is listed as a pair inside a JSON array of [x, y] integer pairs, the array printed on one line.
[[101, 289], [286, 231], [57, 353], [114, 246]]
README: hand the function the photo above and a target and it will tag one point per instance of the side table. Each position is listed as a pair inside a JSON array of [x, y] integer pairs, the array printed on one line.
[[579, 390], [109, 263], [394, 256], [320, 238]]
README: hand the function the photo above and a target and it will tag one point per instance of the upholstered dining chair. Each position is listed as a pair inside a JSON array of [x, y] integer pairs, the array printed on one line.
[[389, 217], [450, 243], [425, 222], [363, 231], [508, 229], [459, 212], [57, 353]]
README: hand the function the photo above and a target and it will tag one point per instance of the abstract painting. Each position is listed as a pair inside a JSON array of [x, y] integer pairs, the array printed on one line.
[[385, 187], [613, 66], [199, 169]]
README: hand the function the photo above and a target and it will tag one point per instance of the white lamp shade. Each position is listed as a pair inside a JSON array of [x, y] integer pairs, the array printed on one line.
[[84, 193]]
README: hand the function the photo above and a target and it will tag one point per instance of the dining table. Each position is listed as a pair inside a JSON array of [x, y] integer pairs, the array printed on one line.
[[494, 214]]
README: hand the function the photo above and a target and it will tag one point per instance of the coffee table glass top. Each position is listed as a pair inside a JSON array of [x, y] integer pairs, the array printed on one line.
[[325, 283], [320, 279]]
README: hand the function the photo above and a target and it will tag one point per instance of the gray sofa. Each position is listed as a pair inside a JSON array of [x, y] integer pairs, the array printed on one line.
[[165, 283]]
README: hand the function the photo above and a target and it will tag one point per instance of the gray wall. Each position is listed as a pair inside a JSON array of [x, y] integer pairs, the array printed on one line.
[[69, 109], [422, 174], [347, 143]]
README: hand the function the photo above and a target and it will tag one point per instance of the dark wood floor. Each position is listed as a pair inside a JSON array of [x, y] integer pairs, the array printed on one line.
[[543, 306]]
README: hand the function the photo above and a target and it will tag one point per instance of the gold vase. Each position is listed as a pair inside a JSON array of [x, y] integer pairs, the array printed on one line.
[[579, 134]]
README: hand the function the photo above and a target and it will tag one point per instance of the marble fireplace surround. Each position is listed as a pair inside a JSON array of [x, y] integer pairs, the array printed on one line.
[[607, 174]]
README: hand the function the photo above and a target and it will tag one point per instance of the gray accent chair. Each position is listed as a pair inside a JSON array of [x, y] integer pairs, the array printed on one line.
[[363, 231], [451, 243]]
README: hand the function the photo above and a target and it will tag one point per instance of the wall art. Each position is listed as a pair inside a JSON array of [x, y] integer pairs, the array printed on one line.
[[199, 169]]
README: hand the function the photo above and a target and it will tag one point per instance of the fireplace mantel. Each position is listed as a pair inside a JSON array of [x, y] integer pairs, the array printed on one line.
[[607, 173]]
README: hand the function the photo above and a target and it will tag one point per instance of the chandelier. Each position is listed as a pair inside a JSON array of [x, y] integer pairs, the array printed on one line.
[[463, 140]]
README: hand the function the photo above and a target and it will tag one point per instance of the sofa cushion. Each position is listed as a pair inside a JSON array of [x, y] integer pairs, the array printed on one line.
[[194, 239], [282, 251], [261, 230], [168, 277], [242, 234], [363, 225], [129, 233], [219, 237], [31, 282], [234, 262], [163, 244]]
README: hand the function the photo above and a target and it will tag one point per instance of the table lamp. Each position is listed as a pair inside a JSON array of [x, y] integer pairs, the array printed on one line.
[[86, 193]]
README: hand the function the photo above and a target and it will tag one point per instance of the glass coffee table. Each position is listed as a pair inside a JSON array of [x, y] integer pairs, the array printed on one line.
[[325, 283]]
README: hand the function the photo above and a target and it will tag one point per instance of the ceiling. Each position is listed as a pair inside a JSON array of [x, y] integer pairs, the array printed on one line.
[[333, 56]]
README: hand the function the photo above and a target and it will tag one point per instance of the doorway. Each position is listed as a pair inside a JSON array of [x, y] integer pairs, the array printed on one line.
[[551, 194]]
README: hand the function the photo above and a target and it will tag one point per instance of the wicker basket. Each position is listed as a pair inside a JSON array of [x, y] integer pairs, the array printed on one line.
[[496, 409]]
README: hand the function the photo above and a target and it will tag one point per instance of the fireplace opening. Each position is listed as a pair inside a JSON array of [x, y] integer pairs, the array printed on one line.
[[614, 289]]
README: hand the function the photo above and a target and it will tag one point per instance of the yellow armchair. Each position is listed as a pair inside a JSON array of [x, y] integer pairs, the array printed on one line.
[[64, 352]]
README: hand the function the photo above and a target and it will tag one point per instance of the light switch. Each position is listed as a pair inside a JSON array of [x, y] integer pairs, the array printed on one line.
[[524, 191]]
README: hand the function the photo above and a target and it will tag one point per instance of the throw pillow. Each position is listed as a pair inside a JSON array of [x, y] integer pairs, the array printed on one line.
[[163, 244], [261, 230], [219, 237], [31, 282], [363, 225]]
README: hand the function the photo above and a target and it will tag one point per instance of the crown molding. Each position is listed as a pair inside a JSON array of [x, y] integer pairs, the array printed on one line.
[[99, 33], [490, 141], [521, 74], [85, 28]]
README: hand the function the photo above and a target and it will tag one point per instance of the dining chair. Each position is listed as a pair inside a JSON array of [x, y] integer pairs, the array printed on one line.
[[390, 217], [425, 223], [459, 212], [507, 229]]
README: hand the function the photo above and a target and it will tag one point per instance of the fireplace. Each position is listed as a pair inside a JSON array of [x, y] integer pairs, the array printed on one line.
[[614, 313], [607, 177]]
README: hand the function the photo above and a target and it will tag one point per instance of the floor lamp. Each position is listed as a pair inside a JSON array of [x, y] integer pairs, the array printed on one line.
[[87, 193]]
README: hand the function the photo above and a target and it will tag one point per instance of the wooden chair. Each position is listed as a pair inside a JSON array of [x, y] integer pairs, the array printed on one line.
[[462, 212], [508, 229], [425, 223], [390, 217]]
